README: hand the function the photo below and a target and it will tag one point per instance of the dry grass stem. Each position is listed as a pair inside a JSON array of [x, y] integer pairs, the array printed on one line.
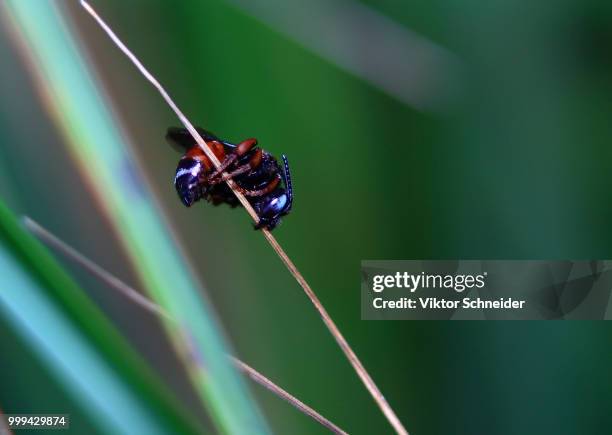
[[352, 357], [93, 268], [134, 296], [265, 382]]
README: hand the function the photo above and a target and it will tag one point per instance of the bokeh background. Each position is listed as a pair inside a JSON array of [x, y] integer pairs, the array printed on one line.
[[415, 130]]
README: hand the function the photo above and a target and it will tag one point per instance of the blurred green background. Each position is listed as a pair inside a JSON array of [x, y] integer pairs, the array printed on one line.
[[503, 154]]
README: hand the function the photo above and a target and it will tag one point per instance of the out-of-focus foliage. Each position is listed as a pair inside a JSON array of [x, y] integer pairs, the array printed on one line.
[[95, 140], [106, 378], [517, 168]]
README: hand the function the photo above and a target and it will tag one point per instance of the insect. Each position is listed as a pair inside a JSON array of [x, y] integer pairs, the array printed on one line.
[[256, 173]]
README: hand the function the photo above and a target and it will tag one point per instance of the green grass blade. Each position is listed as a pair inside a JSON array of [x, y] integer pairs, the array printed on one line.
[[97, 143], [74, 337]]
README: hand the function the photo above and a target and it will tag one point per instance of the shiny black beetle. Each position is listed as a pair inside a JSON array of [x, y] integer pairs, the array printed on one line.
[[256, 173]]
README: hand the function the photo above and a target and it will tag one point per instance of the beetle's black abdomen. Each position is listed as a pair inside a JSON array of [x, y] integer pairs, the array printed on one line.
[[270, 208], [262, 175], [187, 180], [222, 194]]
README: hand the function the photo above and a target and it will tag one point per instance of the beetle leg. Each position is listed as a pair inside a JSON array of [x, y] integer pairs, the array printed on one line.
[[240, 170], [261, 192], [256, 159], [224, 165], [245, 146], [241, 149], [253, 164], [268, 223]]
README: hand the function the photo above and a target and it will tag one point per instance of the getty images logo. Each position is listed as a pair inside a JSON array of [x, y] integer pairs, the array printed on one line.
[[413, 282]]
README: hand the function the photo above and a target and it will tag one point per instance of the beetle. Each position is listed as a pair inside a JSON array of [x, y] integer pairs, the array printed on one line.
[[256, 173]]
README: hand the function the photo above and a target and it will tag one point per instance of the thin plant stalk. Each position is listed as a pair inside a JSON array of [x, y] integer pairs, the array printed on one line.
[[76, 344], [143, 302], [333, 329], [62, 78]]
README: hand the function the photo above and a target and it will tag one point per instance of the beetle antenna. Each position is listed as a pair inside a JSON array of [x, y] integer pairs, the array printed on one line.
[[288, 186]]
